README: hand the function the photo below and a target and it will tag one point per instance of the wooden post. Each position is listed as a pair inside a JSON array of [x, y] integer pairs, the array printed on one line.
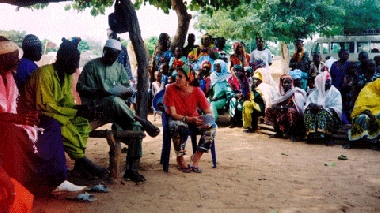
[[115, 152], [142, 59], [284, 58]]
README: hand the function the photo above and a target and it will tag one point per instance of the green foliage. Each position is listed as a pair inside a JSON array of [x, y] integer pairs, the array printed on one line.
[[38, 6], [83, 46], [360, 15], [287, 20], [124, 42], [48, 49], [98, 7], [241, 23], [95, 46], [151, 44], [14, 35]]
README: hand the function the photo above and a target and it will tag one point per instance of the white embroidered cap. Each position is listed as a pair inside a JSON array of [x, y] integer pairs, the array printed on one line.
[[114, 44]]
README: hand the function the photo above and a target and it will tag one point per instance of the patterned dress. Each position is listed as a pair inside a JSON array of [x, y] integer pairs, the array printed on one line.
[[363, 126]]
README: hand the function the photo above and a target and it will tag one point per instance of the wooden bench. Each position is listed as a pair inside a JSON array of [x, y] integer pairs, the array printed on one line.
[[113, 138], [340, 137]]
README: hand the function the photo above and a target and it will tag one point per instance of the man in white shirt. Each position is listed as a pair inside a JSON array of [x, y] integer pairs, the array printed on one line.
[[261, 53]]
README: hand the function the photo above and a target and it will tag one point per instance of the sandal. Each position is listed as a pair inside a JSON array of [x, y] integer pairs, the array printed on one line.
[[83, 198], [196, 169], [67, 187], [342, 157], [98, 188], [187, 169]]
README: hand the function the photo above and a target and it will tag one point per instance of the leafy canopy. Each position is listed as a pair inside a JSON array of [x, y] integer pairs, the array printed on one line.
[[287, 20]]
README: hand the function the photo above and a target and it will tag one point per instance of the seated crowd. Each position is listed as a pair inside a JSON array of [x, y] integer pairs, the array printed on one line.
[[41, 119], [311, 102]]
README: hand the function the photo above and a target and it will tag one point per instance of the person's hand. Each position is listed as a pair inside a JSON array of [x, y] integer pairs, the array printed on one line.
[[371, 117], [6, 183], [102, 93], [127, 94], [238, 95], [195, 120], [28, 119], [314, 107]]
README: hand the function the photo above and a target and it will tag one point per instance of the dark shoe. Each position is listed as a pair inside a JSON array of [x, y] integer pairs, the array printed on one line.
[[276, 136], [286, 135], [133, 176], [250, 130], [233, 124], [152, 130], [89, 166]]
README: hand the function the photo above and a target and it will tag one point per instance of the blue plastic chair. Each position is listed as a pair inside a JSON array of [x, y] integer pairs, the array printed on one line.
[[166, 143]]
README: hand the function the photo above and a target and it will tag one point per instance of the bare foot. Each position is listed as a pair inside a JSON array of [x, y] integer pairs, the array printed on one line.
[[195, 158]]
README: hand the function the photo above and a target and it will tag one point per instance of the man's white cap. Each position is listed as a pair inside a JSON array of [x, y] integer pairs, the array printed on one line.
[[114, 44]]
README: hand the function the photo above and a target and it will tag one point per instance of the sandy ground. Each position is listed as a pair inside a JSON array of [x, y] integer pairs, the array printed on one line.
[[254, 174]]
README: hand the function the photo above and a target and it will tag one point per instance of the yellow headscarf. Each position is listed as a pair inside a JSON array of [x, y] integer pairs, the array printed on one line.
[[258, 75], [369, 98]]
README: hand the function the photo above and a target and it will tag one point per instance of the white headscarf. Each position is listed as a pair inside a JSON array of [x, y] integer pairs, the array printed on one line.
[[222, 76], [328, 99], [267, 77], [298, 95]]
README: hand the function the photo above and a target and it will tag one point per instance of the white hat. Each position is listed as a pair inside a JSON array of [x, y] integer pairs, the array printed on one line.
[[114, 44]]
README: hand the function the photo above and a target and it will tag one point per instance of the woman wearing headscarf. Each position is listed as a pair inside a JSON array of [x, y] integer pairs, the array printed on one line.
[[240, 57], [162, 52], [323, 109], [31, 147], [220, 91], [206, 71], [240, 86], [366, 114], [31, 46], [182, 99], [206, 52], [286, 112], [255, 106]]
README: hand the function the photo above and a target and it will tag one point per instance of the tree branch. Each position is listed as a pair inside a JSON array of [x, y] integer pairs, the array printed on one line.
[[183, 23]]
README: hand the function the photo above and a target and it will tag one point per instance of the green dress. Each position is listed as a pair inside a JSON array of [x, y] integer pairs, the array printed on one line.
[[223, 92], [45, 92], [96, 75]]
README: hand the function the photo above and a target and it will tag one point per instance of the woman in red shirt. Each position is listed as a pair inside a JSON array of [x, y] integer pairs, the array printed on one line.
[[182, 99]]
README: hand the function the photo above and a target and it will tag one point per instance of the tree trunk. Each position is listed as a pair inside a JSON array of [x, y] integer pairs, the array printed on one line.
[[284, 57], [142, 60], [183, 24]]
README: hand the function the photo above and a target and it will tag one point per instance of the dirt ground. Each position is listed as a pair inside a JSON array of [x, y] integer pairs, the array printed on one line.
[[254, 174]]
